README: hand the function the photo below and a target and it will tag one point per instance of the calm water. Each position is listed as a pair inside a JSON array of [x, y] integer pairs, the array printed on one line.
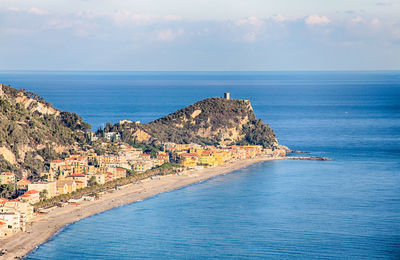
[[346, 208]]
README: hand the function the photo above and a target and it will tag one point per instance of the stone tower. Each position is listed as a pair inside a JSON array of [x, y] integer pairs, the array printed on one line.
[[227, 95]]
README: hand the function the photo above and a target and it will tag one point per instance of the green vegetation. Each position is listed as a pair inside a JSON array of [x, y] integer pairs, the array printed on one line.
[[43, 195], [92, 181], [211, 121], [6, 190], [165, 169], [33, 136]]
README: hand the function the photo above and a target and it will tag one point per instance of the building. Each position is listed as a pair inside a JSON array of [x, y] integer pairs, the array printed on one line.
[[11, 217], [227, 95], [31, 197], [145, 156], [55, 165], [65, 186], [7, 178], [206, 158], [142, 166], [40, 186], [112, 136], [121, 122], [110, 176], [24, 208], [163, 157], [121, 173], [22, 185], [80, 179], [100, 178], [4, 230], [188, 159]]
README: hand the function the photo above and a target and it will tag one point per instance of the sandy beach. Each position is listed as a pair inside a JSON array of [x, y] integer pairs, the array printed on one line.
[[43, 227]]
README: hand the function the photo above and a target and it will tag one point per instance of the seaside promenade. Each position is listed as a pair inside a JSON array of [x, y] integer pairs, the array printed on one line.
[[43, 227]]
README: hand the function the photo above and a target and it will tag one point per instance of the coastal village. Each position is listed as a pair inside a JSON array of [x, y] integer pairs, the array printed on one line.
[[82, 170]]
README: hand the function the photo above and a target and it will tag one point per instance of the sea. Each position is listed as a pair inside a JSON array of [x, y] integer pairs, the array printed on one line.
[[347, 208]]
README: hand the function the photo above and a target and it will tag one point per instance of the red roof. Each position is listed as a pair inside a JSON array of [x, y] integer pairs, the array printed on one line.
[[25, 195], [145, 154], [110, 173], [2, 223], [79, 181], [25, 180], [163, 155], [57, 161], [77, 175], [7, 173], [121, 170], [32, 192]]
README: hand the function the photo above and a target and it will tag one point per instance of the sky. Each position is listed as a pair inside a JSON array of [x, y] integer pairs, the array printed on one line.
[[206, 35]]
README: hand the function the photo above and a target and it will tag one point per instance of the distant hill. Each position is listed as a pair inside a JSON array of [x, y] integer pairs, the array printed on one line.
[[32, 132], [209, 121]]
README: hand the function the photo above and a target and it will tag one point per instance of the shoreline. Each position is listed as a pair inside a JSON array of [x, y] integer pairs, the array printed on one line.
[[44, 227]]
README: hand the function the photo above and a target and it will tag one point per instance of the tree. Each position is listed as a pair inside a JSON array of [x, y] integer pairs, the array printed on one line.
[[6, 190], [43, 194], [92, 181]]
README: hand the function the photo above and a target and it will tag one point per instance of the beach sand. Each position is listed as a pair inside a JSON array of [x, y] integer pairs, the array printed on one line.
[[43, 227]]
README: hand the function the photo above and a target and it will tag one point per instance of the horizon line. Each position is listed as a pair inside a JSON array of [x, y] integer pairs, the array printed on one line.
[[70, 70]]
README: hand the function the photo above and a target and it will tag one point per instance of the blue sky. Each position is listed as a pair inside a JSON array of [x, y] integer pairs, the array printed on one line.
[[200, 35]]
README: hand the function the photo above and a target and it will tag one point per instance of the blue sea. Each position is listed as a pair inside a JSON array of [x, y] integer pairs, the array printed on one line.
[[347, 208]]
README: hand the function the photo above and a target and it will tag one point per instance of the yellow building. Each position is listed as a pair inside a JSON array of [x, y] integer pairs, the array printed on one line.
[[219, 158], [182, 146], [55, 165], [206, 158], [188, 159], [141, 166], [23, 184], [65, 186]]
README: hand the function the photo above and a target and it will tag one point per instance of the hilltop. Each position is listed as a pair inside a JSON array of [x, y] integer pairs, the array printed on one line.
[[212, 121], [33, 132]]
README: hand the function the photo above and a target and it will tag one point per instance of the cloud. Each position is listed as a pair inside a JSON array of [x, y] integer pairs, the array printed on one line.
[[279, 18], [375, 21], [251, 20], [172, 17], [123, 17], [169, 35], [383, 4], [317, 20], [37, 11], [357, 19], [250, 37], [13, 9]]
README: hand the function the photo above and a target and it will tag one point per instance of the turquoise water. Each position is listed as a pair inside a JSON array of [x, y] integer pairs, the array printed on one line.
[[346, 208]]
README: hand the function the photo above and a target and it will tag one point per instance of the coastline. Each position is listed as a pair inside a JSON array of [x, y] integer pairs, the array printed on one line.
[[43, 227]]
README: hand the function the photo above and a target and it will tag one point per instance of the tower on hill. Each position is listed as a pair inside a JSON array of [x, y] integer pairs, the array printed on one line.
[[227, 95]]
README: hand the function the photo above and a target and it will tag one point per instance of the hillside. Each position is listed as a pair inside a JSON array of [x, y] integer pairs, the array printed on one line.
[[209, 121], [32, 132]]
